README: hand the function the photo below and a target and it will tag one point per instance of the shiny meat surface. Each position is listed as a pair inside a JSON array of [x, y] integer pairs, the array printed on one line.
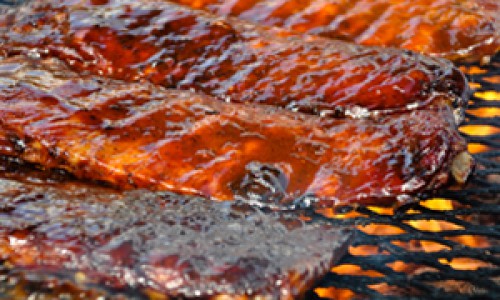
[[178, 47], [139, 135], [162, 243], [455, 29]]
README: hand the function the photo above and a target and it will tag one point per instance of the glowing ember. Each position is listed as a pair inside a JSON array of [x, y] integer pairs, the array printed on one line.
[[471, 241], [437, 204], [485, 112], [473, 70], [381, 229], [464, 263], [434, 225], [489, 95], [364, 250], [382, 210], [477, 148], [335, 293], [493, 79], [355, 270], [479, 130], [421, 245]]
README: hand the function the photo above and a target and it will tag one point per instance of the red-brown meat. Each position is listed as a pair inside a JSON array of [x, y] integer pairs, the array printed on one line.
[[139, 135], [233, 60], [161, 243], [455, 29]]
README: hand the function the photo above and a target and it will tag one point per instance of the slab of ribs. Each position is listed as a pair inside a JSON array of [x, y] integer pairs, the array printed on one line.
[[171, 244], [236, 61], [455, 29], [191, 143], [140, 135]]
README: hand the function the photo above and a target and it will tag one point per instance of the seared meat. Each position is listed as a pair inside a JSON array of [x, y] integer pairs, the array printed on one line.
[[454, 29], [140, 135], [160, 242], [235, 61]]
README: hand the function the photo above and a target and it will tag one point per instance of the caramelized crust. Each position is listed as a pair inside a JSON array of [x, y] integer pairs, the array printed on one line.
[[455, 29], [160, 243], [178, 47], [138, 135]]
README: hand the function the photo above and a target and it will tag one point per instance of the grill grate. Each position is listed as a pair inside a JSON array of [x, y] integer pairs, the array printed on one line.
[[449, 250]]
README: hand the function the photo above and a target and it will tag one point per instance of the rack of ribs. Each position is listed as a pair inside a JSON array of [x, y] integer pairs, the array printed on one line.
[[160, 243], [455, 29], [178, 47], [140, 135]]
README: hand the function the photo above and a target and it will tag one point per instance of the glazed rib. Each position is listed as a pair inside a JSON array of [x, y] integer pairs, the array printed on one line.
[[139, 135], [160, 243], [235, 61], [456, 29]]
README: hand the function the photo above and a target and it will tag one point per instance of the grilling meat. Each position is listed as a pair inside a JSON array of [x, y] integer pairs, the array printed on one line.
[[178, 47], [164, 243], [139, 135], [455, 29]]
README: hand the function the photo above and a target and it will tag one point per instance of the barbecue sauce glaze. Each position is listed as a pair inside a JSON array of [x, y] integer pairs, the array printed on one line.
[[233, 60], [455, 29], [158, 243], [139, 135]]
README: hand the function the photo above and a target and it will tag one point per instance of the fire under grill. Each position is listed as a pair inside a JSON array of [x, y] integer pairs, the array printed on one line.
[[447, 245]]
